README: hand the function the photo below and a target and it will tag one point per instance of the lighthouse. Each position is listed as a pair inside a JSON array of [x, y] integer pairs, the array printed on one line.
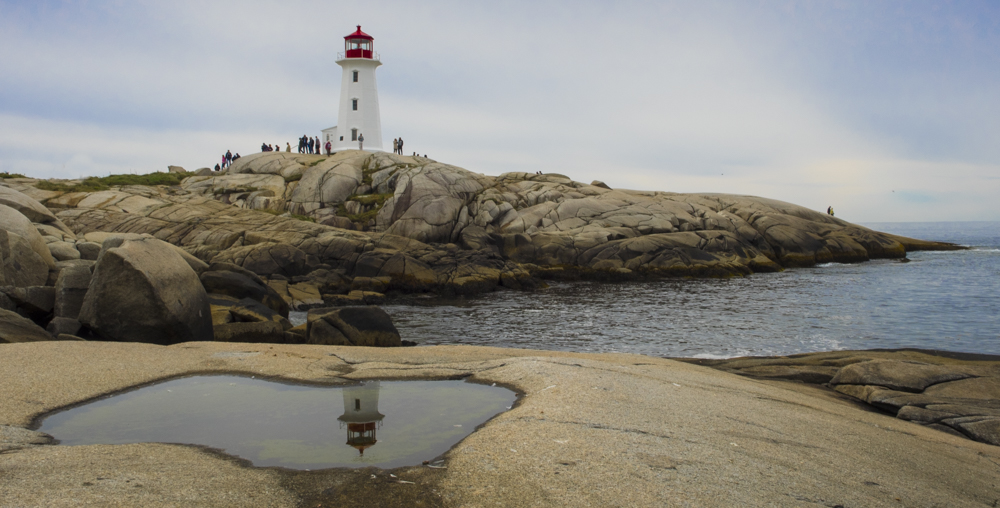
[[359, 114], [361, 415]]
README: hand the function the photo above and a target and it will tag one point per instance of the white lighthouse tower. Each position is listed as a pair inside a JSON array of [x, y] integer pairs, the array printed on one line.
[[361, 415], [359, 114]]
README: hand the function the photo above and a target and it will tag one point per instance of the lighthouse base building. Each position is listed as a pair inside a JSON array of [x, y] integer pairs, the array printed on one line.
[[359, 114]]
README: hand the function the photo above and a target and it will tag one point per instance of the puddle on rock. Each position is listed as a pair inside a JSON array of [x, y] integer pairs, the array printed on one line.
[[383, 424]]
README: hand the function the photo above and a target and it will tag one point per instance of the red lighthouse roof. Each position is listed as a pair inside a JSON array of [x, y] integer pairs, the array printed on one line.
[[359, 35]]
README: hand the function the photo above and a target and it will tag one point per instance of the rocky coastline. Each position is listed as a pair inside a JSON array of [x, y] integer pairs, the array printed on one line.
[[106, 288]]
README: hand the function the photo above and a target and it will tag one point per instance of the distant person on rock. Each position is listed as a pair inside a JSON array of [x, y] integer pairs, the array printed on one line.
[[328, 147], [310, 145], [395, 145], [361, 141], [216, 167], [400, 146], [237, 156], [288, 148], [229, 158], [263, 147], [829, 210]]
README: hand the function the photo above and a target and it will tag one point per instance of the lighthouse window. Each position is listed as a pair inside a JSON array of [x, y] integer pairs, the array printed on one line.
[[354, 134], [355, 76], [355, 104]]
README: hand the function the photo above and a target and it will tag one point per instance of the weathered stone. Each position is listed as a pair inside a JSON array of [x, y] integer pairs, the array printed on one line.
[[323, 333], [370, 284], [259, 331], [63, 251], [360, 326], [242, 285], [176, 169], [897, 375], [987, 388], [35, 302], [70, 290], [805, 373], [985, 429], [304, 294], [21, 265], [88, 250], [267, 259], [249, 310], [17, 328], [31, 209], [355, 298], [111, 240], [63, 326], [144, 291]]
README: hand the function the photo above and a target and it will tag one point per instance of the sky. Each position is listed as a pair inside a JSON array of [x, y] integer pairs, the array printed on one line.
[[887, 110]]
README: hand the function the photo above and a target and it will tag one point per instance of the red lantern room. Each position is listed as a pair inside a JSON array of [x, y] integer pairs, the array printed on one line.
[[358, 45]]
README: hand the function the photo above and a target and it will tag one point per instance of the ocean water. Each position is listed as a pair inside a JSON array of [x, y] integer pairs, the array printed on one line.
[[938, 300]]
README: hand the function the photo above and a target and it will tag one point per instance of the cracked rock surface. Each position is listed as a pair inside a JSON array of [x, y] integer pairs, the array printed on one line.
[[956, 393], [588, 430], [431, 226]]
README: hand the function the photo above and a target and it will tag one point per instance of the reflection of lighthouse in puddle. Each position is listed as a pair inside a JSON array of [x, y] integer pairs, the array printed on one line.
[[361, 415]]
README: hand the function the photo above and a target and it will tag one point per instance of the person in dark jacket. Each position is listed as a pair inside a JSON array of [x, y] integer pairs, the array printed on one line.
[[361, 141]]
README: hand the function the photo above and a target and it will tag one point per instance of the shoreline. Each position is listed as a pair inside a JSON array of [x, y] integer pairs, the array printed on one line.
[[615, 428]]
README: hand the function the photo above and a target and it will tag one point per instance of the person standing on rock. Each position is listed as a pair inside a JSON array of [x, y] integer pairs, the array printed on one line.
[[288, 148], [361, 141], [400, 146], [395, 145], [328, 147]]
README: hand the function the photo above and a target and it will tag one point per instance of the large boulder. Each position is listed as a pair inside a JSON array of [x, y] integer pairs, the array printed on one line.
[[142, 290], [17, 328], [26, 257], [20, 265], [352, 326], [111, 240], [231, 280]]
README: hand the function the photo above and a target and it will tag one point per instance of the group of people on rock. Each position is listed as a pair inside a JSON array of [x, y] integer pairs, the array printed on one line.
[[829, 211], [227, 160], [311, 145]]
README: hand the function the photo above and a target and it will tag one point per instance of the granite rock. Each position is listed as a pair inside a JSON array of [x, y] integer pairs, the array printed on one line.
[[144, 291]]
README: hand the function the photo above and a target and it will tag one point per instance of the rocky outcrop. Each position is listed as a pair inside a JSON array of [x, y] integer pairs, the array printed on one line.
[[428, 226], [351, 326], [358, 227], [953, 392], [142, 290]]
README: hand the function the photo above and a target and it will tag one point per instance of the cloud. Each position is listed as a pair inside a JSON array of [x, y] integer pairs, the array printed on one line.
[[815, 103]]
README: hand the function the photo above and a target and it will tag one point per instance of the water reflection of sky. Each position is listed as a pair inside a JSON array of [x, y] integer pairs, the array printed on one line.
[[939, 300], [294, 426]]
